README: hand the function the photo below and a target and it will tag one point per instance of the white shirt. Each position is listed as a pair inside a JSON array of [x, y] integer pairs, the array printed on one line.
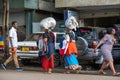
[[13, 35]]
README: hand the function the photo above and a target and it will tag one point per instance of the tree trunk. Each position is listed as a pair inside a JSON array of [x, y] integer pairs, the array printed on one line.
[[5, 24]]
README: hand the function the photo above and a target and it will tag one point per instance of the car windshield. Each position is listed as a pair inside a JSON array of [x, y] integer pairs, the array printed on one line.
[[87, 33]]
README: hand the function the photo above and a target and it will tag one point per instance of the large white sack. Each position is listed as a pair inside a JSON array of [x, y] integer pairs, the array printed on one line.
[[71, 23], [48, 23]]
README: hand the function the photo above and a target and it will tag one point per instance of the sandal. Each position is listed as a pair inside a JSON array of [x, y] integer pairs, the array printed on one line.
[[116, 74], [102, 72], [49, 72], [77, 71], [67, 72], [79, 68]]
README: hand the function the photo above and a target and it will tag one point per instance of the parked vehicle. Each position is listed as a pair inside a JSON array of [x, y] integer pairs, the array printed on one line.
[[28, 49], [88, 37]]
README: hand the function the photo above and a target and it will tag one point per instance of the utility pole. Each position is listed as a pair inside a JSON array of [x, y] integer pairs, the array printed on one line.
[[5, 23]]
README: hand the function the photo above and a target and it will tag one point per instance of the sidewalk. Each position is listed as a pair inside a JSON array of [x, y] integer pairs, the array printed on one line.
[[62, 70], [33, 75]]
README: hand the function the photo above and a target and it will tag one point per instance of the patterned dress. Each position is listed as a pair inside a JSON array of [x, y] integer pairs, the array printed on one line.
[[70, 59], [106, 48]]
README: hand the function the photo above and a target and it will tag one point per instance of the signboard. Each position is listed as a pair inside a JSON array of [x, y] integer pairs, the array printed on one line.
[[35, 27], [68, 13]]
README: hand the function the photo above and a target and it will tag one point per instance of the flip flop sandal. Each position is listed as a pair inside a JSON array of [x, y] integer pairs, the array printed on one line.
[[77, 71], [102, 72], [67, 72], [116, 74], [49, 72]]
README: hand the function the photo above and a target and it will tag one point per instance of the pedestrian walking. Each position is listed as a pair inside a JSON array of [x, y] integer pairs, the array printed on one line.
[[48, 51], [12, 47], [69, 46], [107, 43]]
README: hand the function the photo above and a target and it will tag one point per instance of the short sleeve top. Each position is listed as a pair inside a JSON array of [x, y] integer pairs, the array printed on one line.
[[107, 39], [50, 36], [71, 35], [13, 36]]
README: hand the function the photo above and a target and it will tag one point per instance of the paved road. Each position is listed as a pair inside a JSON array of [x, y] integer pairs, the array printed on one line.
[[38, 75]]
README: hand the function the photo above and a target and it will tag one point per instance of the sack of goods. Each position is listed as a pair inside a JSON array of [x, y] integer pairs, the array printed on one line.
[[48, 23]]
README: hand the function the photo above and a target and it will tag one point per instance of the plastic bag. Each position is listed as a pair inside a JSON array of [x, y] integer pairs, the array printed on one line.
[[48, 23]]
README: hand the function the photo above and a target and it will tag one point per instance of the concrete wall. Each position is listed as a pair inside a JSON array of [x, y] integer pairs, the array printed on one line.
[[16, 3], [31, 4], [13, 4], [19, 16], [78, 3], [100, 13], [40, 16], [48, 6], [1, 19]]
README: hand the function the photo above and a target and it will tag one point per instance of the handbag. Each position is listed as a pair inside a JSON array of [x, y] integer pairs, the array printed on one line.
[[63, 51]]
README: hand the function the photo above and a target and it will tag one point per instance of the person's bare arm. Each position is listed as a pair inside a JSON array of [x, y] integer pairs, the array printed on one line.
[[11, 42], [45, 40], [114, 40], [97, 46]]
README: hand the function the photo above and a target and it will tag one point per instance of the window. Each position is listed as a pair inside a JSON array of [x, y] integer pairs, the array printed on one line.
[[86, 33]]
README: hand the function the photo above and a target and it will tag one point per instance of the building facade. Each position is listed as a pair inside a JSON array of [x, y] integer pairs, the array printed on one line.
[[28, 11], [101, 13]]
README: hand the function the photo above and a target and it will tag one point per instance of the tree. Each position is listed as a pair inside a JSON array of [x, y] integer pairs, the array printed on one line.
[[5, 23]]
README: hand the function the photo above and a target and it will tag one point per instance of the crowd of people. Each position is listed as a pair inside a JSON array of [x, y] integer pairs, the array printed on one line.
[[68, 50]]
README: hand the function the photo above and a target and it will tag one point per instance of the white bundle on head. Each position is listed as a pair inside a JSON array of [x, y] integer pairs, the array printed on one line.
[[48, 23], [71, 23]]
